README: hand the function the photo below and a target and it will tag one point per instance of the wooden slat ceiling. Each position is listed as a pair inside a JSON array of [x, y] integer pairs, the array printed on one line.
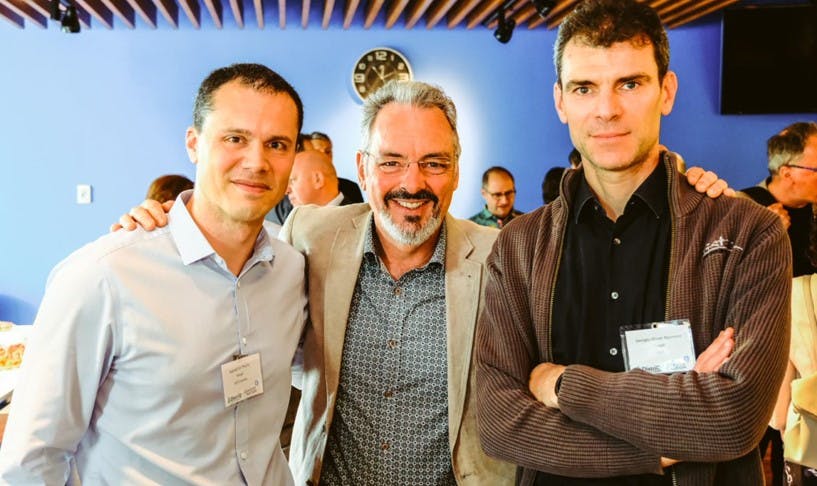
[[468, 14]]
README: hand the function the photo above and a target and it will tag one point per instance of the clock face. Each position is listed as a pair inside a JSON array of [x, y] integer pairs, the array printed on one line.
[[376, 67]]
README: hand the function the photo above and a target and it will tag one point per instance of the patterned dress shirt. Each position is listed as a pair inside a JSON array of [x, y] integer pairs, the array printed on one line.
[[391, 416]]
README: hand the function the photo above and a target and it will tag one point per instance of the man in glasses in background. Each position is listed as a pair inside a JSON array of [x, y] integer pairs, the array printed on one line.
[[499, 192], [791, 188]]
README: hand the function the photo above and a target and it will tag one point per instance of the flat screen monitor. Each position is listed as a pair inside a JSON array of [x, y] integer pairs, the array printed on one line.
[[769, 60]]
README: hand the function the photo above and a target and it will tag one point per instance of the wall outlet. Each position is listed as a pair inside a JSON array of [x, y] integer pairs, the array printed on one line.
[[83, 194]]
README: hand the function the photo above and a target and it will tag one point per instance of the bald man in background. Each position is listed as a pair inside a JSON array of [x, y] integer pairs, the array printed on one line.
[[313, 180]]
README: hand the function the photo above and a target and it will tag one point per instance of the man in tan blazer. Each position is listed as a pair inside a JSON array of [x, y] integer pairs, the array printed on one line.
[[347, 409]]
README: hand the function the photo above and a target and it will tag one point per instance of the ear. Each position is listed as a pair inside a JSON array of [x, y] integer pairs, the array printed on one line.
[[317, 179], [191, 140], [558, 101], [668, 90], [361, 170]]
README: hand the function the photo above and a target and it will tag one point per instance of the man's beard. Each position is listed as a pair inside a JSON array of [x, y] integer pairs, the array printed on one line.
[[411, 232]]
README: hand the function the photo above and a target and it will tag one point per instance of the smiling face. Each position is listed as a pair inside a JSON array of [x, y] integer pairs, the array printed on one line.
[[243, 154], [409, 206], [612, 102]]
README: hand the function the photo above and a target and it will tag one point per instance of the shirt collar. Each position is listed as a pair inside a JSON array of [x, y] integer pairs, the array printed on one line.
[[336, 200], [370, 239], [192, 244], [652, 192]]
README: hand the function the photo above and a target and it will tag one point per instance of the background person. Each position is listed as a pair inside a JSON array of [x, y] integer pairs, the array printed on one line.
[[499, 192], [168, 187]]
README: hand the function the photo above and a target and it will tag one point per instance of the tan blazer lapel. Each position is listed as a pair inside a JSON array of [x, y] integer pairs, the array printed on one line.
[[462, 295], [341, 277]]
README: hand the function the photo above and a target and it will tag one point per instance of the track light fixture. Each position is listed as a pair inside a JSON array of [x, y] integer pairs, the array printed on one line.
[[66, 15], [504, 27], [543, 7]]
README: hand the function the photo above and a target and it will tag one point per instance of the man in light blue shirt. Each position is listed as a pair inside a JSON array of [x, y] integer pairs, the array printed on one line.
[[164, 357]]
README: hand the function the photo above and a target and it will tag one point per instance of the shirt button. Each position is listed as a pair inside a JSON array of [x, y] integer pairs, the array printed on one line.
[[614, 295], [613, 351], [397, 291], [388, 393], [616, 241], [384, 446], [391, 343], [243, 455]]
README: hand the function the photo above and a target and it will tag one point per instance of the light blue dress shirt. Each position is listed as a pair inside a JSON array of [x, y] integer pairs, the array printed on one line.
[[123, 371]]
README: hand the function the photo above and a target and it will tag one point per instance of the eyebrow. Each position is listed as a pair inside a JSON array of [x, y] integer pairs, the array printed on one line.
[[625, 79], [432, 155], [242, 131]]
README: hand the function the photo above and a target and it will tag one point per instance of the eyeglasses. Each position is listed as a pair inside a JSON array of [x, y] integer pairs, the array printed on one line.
[[395, 165], [812, 169], [499, 195]]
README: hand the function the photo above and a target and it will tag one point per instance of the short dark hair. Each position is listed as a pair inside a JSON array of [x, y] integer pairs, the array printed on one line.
[[788, 146], [602, 23], [256, 76], [550, 184], [167, 187], [496, 169]]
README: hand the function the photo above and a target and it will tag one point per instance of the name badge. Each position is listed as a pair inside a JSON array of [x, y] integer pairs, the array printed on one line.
[[242, 379], [658, 347]]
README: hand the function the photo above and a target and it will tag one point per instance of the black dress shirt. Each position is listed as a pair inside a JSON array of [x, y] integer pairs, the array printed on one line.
[[611, 274]]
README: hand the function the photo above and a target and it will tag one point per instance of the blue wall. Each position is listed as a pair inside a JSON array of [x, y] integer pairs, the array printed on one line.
[[109, 108]]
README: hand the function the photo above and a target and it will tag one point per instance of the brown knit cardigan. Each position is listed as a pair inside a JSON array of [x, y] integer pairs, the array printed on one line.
[[613, 424]]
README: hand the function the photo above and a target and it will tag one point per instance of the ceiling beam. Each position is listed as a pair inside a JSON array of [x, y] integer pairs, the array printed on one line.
[[29, 13], [216, 12], [439, 11], [693, 14], [460, 11], [349, 12], [123, 10], [395, 11], [556, 15], [192, 9], [98, 11], [146, 10], [237, 7], [416, 12], [483, 11], [169, 10], [258, 5], [328, 6], [372, 9], [305, 4], [11, 17]]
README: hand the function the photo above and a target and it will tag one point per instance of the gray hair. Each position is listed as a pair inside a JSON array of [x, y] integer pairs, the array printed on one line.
[[413, 93], [788, 146]]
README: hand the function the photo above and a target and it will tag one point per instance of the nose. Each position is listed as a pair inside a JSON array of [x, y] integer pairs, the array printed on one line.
[[413, 178], [255, 157], [608, 106]]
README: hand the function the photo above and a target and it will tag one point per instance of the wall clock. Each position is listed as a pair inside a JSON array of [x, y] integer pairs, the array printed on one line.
[[378, 66]]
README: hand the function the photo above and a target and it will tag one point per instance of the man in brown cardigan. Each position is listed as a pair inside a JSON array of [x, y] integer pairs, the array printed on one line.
[[629, 242]]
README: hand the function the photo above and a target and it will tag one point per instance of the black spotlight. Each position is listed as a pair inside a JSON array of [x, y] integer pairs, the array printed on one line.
[[544, 6], [70, 20], [504, 27], [54, 9]]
